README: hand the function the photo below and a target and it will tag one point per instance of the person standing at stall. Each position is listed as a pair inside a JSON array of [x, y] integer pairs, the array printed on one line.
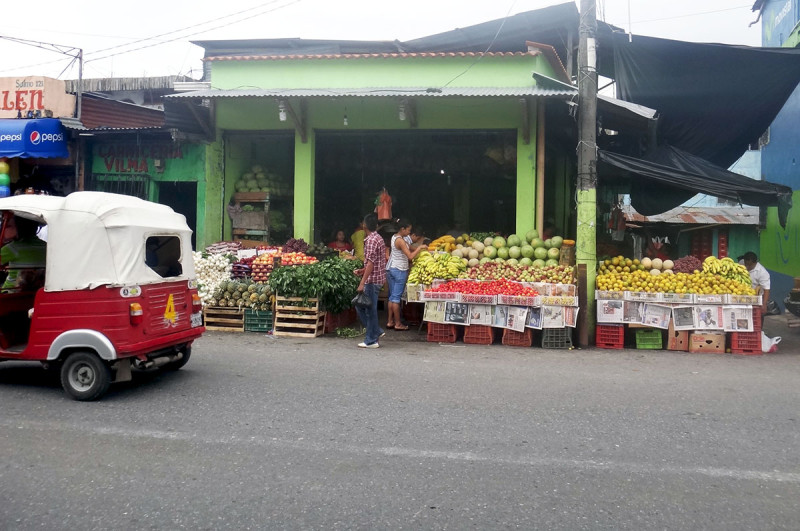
[[759, 278], [373, 276], [358, 241], [397, 271]]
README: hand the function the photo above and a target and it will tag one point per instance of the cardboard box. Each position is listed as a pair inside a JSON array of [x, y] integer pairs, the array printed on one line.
[[707, 342], [677, 339]]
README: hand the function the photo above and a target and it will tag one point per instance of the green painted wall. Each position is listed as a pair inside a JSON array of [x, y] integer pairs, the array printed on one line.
[[505, 71], [212, 228], [780, 248], [176, 163]]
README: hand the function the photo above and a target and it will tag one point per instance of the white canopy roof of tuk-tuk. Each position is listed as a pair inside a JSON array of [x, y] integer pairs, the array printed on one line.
[[97, 238]]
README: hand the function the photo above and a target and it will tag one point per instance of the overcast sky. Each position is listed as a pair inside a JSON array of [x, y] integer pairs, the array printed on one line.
[[109, 32]]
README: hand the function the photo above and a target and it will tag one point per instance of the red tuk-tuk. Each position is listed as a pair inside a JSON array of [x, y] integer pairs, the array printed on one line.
[[119, 290]]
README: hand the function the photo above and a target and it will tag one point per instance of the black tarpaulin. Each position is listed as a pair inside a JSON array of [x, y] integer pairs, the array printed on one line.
[[679, 175], [713, 99]]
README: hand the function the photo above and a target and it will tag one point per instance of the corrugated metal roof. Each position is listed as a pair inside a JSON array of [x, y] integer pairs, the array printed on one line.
[[377, 92], [745, 215], [113, 84], [398, 55]]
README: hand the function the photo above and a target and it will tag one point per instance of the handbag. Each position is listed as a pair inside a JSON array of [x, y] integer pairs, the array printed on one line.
[[362, 300]]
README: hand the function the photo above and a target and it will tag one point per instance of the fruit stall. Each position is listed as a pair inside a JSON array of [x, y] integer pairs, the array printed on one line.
[[295, 290], [485, 288], [683, 305]]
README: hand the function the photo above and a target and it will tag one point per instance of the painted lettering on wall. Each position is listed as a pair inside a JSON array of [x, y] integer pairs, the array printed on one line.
[[22, 100], [133, 158]]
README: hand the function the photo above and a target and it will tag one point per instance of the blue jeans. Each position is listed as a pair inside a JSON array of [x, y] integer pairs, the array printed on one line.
[[369, 316], [397, 283]]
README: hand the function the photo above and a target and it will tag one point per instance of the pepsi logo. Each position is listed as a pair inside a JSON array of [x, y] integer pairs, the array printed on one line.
[[36, 137]]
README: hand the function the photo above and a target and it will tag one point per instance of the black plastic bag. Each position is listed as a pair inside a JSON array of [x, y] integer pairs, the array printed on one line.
[[362, 300]]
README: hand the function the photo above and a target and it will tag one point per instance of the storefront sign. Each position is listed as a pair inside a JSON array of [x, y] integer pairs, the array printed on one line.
[[136, 158], [40, 96], [43, 138]]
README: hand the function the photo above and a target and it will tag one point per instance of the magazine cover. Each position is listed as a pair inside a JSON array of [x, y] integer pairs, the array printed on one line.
[[481, 314], [683, 317], [657, 316], [737, 318], [534, 318], [553, 316]]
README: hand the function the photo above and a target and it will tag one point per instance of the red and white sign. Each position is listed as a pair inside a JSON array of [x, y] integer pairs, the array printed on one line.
[[46, 95]]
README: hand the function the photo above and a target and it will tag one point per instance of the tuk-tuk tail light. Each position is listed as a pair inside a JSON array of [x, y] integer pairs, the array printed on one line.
[[137, 314], [197, 303]]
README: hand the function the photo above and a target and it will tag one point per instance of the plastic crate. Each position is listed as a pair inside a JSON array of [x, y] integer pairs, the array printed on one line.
[[757, 319], [557, 337], [748, 343], [442, 333], [649, 339], [610, 336], [512, 338], [257, 321], [479, 335]]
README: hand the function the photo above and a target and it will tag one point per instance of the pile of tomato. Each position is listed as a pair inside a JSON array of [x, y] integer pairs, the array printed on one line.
[[490, 287]]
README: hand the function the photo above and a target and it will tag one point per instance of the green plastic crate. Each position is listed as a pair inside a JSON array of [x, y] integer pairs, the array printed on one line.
[[257, 321], [648, 338]]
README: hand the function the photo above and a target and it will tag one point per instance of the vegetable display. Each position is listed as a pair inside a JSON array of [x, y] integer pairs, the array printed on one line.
[[331, 281], [492, 287], [242, 294], [211, 271]]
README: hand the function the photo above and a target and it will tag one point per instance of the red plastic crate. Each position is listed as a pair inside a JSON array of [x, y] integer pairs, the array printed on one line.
[[610, 336], [479, 335], [748, 343], [512, 338], [757, 319], [442, 333]]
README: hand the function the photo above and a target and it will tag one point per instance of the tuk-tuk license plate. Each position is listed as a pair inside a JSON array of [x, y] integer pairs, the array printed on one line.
[[197, 320]]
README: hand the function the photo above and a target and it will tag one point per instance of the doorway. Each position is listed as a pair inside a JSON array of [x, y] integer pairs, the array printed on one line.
[[182, 198]]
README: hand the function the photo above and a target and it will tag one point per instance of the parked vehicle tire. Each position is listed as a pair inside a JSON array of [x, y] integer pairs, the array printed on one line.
[[84, 376], [175, 365]]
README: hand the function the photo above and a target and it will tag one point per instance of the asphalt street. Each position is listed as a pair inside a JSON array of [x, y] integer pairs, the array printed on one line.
[[264, 433]]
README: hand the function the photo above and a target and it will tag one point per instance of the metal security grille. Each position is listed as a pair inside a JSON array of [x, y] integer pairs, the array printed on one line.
[[137, 185]]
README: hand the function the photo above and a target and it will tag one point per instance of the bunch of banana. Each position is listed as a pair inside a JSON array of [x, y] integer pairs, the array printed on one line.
[[443, 243], [427, 267], [727, 268]]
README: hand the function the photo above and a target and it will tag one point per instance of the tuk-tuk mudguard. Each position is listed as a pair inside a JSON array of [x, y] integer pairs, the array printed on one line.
[[83, 338]]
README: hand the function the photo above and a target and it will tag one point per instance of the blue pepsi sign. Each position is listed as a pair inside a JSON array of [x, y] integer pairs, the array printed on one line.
[[38, 138]]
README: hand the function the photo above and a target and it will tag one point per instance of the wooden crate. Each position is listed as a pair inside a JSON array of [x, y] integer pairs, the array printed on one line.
[[293, 319], [223, 319]]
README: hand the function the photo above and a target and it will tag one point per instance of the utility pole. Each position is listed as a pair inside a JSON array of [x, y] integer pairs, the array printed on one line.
[[586, 240]]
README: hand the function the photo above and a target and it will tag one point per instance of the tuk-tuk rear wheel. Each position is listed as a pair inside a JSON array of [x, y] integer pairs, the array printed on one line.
[[84, 376], [175, 365]]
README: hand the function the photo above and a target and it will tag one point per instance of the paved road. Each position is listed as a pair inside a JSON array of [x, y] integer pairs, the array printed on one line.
[[259, 433]]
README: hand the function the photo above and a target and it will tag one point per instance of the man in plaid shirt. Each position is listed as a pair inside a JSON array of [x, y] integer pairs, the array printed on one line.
[[373, 276]]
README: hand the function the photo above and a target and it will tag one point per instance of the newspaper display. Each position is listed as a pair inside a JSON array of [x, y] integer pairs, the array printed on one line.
[[516, 318], [571, 316], [657, 316], [634, 312], [552, 316], [434, 312], [683, 317], [535, 318], [481, 314], [500, 316], [610, 311], [737, 318], [456, 313], [707, 317]]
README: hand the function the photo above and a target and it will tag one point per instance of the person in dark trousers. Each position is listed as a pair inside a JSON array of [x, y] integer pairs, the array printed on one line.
[[373, 276]]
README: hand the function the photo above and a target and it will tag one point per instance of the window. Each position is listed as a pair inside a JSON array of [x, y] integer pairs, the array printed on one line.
[[163, 255]]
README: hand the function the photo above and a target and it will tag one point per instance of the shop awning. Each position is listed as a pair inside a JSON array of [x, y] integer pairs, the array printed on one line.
[[669, 176], [39, 138], [397, 92], [739, 215]]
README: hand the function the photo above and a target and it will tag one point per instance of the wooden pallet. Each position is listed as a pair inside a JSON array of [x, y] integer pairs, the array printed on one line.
[[223, 319], [293, 319]]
